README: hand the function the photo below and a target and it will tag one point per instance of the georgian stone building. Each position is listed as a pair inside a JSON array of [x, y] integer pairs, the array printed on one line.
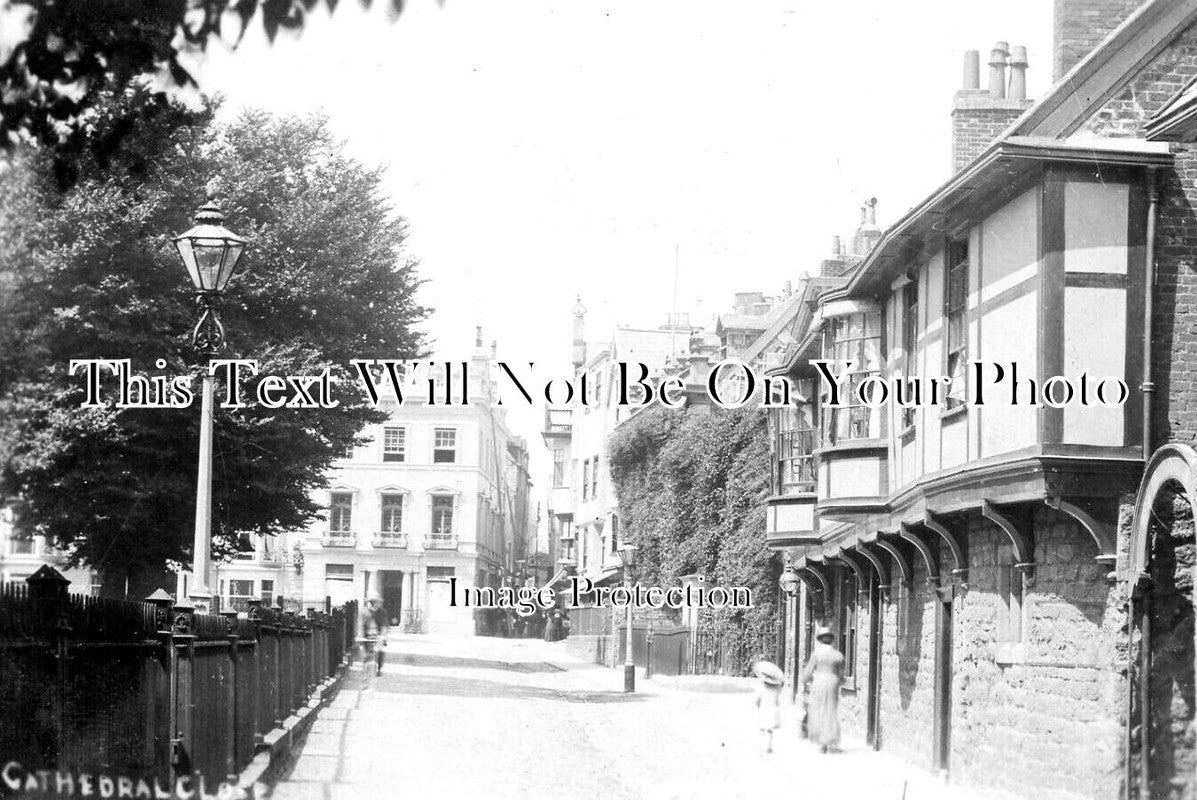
[[1012, 584], [435, 492]]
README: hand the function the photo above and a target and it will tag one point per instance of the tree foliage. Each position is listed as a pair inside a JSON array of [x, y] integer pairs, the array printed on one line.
[[692, 485], [57, 56], [92, 273]]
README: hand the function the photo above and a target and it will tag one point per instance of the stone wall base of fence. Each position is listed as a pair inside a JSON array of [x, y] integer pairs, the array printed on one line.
[[706, 683], [592, 648], [279, 746]]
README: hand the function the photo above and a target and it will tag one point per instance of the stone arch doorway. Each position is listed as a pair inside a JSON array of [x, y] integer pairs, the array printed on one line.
[[1161, 750]]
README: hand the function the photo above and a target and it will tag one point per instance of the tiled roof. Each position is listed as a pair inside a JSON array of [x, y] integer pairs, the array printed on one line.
[[648, 346]]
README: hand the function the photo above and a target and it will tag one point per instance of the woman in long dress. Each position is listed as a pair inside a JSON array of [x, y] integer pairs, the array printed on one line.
[[825, 673]]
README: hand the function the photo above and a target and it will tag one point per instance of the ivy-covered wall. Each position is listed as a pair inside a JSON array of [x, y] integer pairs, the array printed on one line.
[[692, 484]]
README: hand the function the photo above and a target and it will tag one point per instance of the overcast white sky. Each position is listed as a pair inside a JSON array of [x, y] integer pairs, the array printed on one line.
[[541, 150]]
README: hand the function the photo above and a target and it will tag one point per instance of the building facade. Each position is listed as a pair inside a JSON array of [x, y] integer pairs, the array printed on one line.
[[435, 492], [1011, 582]]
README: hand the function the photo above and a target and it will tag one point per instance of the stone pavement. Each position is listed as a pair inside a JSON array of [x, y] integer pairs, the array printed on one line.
[[502, 718]]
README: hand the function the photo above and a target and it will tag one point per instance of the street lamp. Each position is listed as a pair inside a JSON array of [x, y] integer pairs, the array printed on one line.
[[627, 554], [210, 253]]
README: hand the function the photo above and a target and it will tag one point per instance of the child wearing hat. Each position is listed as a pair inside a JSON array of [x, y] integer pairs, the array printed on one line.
[[768, 699]]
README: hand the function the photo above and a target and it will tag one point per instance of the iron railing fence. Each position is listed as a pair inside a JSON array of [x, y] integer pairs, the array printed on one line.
[[728, 650], [151, 690]]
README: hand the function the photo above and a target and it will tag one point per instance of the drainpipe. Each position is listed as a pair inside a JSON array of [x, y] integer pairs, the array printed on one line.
[[1148, 387]]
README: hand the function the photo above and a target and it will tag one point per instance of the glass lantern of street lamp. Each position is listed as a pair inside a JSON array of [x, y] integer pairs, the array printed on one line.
[[209, 250], [627, 554]]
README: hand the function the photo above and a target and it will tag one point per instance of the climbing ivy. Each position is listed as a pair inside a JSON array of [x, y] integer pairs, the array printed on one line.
[[692, 484]]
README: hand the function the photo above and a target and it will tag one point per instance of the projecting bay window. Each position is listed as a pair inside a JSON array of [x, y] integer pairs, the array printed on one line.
[[910, 340], [394, 444], [793, 447], [852, 337], [956, 320]]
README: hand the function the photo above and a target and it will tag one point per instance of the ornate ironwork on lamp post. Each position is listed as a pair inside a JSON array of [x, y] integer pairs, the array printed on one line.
[[627, 554], [210, 253]]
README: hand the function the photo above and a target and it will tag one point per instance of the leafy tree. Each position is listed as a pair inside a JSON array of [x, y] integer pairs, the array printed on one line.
[[692, 484], [94, 275], [62, 53]]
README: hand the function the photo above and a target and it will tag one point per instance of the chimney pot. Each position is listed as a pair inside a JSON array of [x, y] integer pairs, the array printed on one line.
[[1018, 73], [997, 69], [972, 70], [836, 247]]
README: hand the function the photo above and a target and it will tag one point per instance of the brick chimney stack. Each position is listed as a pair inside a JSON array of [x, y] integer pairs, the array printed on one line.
[[979, 115], [1081, 25]]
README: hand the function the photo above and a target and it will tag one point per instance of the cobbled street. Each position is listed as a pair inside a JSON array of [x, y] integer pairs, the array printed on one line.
[[503, 718]]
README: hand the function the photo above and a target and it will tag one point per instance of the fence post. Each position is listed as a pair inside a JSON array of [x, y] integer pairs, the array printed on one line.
[[48, 589], [182, 686], [255, 666], [231, 722], [165, 691], [648, 652]]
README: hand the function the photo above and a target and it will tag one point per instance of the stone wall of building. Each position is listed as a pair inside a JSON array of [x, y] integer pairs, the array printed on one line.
[[1045, 694], [908, 668], [1173, 755]]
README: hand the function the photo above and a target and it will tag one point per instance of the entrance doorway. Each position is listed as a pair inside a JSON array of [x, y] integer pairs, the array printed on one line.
[[392, 596], [942, 737]]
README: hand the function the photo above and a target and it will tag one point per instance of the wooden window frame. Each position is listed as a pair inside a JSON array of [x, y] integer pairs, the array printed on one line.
[[955, 354]]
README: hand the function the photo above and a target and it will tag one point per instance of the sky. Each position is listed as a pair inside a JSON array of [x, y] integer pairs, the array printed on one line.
[[544, 150]]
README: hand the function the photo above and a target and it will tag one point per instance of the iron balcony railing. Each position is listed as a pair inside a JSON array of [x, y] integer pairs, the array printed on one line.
[[340, 539], [391, 539], [440, 541]]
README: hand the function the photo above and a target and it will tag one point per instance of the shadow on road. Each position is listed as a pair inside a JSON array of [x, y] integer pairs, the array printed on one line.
[[453, 686], [459, 662]]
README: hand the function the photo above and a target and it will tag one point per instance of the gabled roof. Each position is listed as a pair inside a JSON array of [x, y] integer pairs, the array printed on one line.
[[1107, 69], [798, 312]]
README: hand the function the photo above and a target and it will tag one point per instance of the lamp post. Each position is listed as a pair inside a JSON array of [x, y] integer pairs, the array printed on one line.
[[627, 554], [210, 253]]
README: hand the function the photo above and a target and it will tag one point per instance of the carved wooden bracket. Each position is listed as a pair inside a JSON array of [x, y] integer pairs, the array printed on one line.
[[936, 525], [819, 580], [1024, 556], [929, 560], [862, 576], [878, 565], [900, 561], [1101, 523]]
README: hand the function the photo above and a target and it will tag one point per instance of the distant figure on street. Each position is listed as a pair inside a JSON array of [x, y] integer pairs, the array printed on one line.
[[375, 629], [824, 672], [768, 699]]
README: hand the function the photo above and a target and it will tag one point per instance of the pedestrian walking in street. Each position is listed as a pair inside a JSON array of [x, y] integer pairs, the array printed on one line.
[[375, 625], [825, 673], [768, 699]]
